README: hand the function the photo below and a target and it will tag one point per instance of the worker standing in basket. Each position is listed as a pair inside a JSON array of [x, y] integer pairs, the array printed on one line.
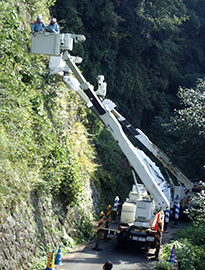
[[38, 25], [53, 26]]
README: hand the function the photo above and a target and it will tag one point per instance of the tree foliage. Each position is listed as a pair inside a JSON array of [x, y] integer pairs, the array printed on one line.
[[197, 213], [187, 129], [135, 44], [114, 176]]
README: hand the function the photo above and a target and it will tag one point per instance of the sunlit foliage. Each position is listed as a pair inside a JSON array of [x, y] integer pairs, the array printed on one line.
[[43, 143]]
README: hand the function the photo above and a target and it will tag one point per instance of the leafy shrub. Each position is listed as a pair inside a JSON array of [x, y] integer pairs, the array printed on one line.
[[189, 256], [197, 212], [86, 227], [194, 235], [163, 265], [67, 240]]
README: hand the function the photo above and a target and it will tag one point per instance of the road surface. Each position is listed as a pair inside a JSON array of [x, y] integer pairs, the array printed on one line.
[[129, 258]]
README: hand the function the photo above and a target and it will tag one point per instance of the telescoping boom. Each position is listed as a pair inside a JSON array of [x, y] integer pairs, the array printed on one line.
[[156, 151], [62, 44], [104, 111]]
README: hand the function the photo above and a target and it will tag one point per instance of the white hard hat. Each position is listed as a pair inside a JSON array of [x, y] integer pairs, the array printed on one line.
[[53, 20], [39, 17]]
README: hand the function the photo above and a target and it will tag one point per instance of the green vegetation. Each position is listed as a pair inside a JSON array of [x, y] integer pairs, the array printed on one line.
[[189, 250], [197, 213], [45, 149], [164, 265], [43, 144], [189, 243], [187, 131], [115, 175]]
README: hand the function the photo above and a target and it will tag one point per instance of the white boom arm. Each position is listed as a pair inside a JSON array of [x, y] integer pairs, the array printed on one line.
[[104, 111], [54, 45], [158, 153]]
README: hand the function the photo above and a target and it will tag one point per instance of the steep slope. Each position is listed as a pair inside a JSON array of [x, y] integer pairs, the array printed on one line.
[[47, 157]]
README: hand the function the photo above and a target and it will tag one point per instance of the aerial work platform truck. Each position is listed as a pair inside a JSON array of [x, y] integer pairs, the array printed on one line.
[[151, 194]]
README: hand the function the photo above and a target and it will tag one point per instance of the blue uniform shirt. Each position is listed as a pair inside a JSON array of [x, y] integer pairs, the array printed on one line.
[[38, 26], [53, 28]]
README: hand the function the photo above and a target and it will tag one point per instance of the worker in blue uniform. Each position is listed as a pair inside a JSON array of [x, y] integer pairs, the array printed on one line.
[[38, 25], [53, 26]]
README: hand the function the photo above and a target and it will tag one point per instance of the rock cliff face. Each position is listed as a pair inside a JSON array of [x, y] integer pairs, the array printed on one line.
[[40, 224]]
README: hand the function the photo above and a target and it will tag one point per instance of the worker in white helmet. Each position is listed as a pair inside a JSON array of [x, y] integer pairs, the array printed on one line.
[[38, 25], [53, 26]]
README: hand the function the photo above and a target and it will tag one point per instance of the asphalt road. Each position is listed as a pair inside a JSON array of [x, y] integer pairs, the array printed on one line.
[[127, 258]]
